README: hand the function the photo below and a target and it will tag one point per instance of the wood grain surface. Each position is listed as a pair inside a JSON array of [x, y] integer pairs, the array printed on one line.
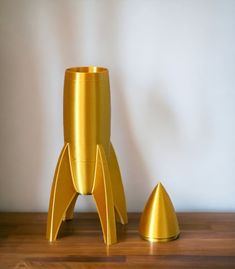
[[207, 240]]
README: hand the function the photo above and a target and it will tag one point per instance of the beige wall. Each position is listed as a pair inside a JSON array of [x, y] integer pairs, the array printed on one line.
[[172, 74]]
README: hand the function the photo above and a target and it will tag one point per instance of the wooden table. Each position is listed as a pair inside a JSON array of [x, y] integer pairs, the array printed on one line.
[[207, 241]]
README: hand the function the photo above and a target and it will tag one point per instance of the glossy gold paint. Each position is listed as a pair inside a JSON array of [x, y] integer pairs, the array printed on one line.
[[87, 164], [158, 221]]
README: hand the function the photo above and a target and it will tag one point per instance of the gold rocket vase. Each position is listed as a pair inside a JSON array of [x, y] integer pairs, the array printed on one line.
[[87, 164]]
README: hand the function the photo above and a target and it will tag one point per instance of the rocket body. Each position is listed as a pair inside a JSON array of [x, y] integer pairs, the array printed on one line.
[[86, 121]]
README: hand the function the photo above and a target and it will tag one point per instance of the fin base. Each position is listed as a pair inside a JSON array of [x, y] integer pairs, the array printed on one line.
[[107, 191]]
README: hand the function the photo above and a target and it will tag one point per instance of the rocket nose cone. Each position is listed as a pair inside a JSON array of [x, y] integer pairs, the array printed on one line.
[[158, 221]]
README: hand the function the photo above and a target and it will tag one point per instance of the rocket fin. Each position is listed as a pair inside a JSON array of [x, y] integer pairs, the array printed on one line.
[[102, 193], [62, 194], [117, 187], [70, 211]]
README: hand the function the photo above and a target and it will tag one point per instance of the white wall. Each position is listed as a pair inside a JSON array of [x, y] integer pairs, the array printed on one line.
[[172, 71]]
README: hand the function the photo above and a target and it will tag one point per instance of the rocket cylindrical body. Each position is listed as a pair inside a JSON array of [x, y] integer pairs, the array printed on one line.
[[86, 121]]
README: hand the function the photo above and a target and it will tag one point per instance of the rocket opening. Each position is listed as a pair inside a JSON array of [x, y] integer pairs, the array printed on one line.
[[87, 69]]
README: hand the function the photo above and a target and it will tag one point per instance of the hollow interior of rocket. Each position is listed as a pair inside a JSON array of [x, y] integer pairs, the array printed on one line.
[[87, 69]]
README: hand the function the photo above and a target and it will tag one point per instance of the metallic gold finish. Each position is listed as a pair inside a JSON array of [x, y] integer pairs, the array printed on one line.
[[158, 221], [87, 164]]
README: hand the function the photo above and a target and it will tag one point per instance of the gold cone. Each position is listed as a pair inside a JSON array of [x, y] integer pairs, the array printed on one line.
[[158, 221]]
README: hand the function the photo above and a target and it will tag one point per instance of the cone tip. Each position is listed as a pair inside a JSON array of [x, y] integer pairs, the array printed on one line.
[[160, 187]]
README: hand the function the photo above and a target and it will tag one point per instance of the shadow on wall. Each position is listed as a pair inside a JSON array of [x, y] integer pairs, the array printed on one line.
[[161, 121], [157, 122], [132, 163]]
